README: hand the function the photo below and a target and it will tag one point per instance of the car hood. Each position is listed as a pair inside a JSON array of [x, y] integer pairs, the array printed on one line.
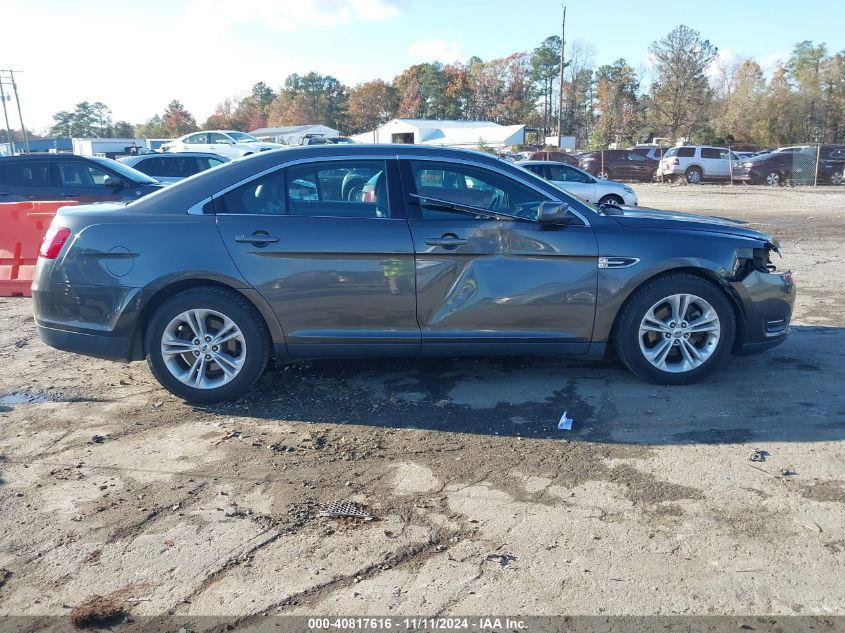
[[638, 217]]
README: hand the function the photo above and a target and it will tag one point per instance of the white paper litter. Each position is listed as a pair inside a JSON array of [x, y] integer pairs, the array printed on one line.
[[565, 423]]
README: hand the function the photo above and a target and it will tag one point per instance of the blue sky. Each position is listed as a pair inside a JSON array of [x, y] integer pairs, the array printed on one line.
[[137, 56]]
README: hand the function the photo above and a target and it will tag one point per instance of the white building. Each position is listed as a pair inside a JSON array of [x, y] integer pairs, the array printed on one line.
[[451, 133], [292, 135]]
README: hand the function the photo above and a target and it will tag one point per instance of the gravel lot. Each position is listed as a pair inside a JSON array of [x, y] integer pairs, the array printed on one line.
[[649, 505]]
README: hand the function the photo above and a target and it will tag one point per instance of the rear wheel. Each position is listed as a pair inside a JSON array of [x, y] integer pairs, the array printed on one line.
[[207, 345], [675, 330], [836, 178], [604, 174], [694, 175]]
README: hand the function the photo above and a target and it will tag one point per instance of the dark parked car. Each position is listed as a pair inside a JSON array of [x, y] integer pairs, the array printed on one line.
[[619, 164], [795, 166], [173, 167], [448, 252], [65, 176]]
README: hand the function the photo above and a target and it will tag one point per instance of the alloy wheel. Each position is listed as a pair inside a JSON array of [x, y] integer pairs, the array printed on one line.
[[773, 179], [203, 349], [679, 333]]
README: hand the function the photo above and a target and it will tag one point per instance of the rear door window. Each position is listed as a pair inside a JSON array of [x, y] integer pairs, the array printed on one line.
[[348, 188], [25, 174], [712, 152]]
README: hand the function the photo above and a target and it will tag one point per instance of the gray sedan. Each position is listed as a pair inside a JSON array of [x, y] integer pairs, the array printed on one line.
[[446, 253], [579, 183]]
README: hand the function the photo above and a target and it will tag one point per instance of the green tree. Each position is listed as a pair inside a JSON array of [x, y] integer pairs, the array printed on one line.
[[62, 124], [545, 69], [152, 128], [123, 129], [681, 95]]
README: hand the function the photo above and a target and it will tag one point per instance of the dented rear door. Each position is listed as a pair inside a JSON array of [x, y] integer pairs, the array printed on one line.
[[496, 285]]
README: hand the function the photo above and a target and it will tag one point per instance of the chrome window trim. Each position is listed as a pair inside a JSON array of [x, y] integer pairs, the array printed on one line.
[[437, 159]]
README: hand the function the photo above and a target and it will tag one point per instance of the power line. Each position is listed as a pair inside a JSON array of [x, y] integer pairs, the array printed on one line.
[[10, 81]]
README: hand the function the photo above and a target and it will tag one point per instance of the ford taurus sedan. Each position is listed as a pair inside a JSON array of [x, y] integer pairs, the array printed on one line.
[[448, 253]]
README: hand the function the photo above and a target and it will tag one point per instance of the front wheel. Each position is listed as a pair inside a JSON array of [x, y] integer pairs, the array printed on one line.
[[836, 178], [611, 199], [675, 330], [207, 345]]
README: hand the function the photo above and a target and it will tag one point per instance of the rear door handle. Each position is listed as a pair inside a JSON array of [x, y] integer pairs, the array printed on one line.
[[446, 241], [69, 195], [256, 238]]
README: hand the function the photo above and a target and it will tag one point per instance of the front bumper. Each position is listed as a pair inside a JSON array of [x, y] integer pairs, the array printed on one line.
[[766, 301]]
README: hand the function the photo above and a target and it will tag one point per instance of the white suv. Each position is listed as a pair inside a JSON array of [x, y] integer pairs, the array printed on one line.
[[229, 143], [698, 162]]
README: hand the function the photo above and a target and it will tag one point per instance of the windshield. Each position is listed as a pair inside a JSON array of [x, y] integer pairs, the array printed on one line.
[[125, 171], [240, 137]]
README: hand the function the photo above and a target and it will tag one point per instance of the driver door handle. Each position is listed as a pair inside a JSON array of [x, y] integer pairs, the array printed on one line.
[[259, 238], [446, 241]]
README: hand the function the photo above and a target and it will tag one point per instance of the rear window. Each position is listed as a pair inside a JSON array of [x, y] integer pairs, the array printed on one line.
[[25, 174]]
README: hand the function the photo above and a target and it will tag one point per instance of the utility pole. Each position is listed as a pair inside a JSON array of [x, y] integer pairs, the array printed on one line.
[[20, 114], [562, 66], [6, 116]]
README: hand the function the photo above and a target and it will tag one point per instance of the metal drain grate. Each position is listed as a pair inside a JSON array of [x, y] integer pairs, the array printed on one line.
[[340, 509]]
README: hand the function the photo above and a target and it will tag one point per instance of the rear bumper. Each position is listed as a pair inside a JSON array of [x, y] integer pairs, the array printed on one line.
[[767, 300], [97, 345]]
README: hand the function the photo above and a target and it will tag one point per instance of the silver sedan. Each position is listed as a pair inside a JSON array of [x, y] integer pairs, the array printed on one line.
[[580, 183]]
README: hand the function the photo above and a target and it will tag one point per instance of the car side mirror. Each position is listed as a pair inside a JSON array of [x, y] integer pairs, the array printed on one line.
[[553, 213], [113, 181]]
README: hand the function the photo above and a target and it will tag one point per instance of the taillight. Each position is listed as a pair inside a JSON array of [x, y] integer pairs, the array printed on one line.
[[676, 162], [53, 241], [369, 196]]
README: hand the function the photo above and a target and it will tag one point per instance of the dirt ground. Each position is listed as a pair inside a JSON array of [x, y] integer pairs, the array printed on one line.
[[649, 505]]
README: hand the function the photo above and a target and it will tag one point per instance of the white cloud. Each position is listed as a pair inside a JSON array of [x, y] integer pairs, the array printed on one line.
[[218, 16], [435, 50], [137, 82]]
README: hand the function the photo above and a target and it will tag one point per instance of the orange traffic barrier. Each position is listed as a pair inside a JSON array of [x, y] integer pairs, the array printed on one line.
[[22, 227]]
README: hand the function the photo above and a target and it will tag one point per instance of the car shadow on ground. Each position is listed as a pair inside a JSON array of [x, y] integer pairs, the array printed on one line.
[[790, 393]]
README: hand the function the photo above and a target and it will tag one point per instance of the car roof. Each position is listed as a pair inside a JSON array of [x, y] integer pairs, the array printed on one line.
[[166, 155], [545, 162], [24, 157]]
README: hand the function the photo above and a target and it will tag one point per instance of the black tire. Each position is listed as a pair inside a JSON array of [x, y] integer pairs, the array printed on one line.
[[626, 333], [611, 198], [233, 306], [774, 179], [693, 176]]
